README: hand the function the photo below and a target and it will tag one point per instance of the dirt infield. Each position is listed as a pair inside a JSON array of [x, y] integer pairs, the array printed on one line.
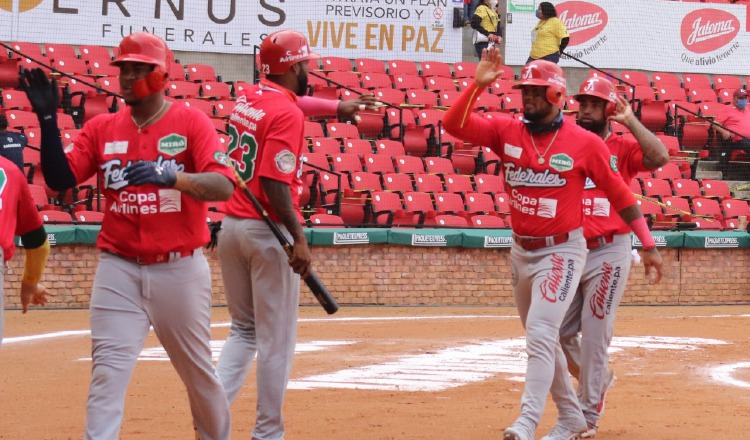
[[400, 373]]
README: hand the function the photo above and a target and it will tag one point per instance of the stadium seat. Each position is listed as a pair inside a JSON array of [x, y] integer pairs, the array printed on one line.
[[710, 109], [394, 97], [92, 52], [336, 64], [402, 67], [389, 147], [734, 208], [488, 183], [102, 68], [313, 129], [680, 206], [371, 123], [205, 106], [512, 103], [464, 69], [55, 217], [223, 107], [372, 80], [387, 209], [369, 65], [656, 188], [109, 84], [399, 182], [86, 216], [405, 81], [15, 100], [341, 130], [430, 183], [501, 87], [487, 221], [693, 135], [183, 89], [458, 183], [436, 68], [671, 143], [409, 164], [362, 181], [708, 224], [695, 81], [506, 73], [686, 188], [636, 78], [419, 202], [197, 72], [325, 145], [59, 51], [706, 206], [215, 90], [479, 203], [32, 50], [669, 171], [326, 221], [671, 94], [449, 220], [345, 162], [501, 203], [344, 79], [715, 189], [421, 98], [19, 119], [727, 82], [448, 97], [378, 163], [438, 165], [665, 80], [465, 160], [360, 147], [653, 115], [70, 66], [698, 95], [317, 160]]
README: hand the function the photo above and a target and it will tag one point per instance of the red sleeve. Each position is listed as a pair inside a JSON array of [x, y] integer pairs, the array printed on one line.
[[599, 169], [632, 159], [208, 153], [28, 216], [281, 147], [311, 106], [82, 153], [460, 122]]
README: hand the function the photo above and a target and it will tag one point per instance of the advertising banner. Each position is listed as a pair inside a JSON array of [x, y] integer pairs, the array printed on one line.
[[415, 30], [642, 35]]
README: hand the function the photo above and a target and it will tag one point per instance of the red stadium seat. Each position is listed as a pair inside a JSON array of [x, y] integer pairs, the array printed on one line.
[[501, 87], [421, 98], [341, 130], [70, 66], [419, 202], [60, 51], [344, 79], [398, 182], [506, 73], [325, 145], [512, 103], [183, 89], [336, 64], [669, 171], [715, 188], [393, 97], [378, 163], [464, 69], [90, 52], [360, 147], [431, 183], [438, 165], [488, 183], [458, 183], [686, 188], [19, 119], [85, 216], [636, 78], [404, 81], [479, 203], [409, 164], [53, 216], [696, 81], [362, 181], [439, 83], [487, 221], [326, 221], [680, 206], [371, 80], [15, 100], [313, 129], [735, 208], [656, 188], [699, 95], [449, 220], [710, 109], [387, 209], [389, 147], [665, 79], [671, 94], [727, 82], [199, 104], [705, 206], [402, 67], [215, 90], [369, 65], [436, 68], [197, 72], [448, 97]]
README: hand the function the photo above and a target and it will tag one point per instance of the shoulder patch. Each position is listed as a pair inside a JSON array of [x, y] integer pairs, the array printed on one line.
[[3, 182], [613, 163], [286, 162], [221, 158]]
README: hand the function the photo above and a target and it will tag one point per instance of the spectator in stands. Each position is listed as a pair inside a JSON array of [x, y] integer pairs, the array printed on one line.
[[11, 143], [469, 7], [18, 216], [486, 25], [734, 133], [549, 38], [608, 240]]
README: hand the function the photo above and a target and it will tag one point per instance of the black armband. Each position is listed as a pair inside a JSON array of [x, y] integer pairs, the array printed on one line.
[[55, 167], [564, 43], [34, 239]]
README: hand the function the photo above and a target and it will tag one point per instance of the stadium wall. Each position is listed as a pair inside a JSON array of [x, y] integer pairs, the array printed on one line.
[[409, 276]]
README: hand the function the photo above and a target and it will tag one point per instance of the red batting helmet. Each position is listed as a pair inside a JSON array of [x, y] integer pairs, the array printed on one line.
[[600, 88], [281, 50], [142, 47], [544, 73]]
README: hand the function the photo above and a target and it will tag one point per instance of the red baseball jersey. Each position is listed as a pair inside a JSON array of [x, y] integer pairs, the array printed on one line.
[[545, 198], [267, 135], [18, 214], [599, 217], [149, 219]]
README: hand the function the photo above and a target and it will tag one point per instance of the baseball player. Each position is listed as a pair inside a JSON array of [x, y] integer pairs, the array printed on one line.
[[261, 283], [545, 161], [18, 216], [607, 266], [160, 164], [11, 143]]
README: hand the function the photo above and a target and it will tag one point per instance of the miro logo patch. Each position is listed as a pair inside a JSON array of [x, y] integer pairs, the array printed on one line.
[[173, 144], [23, 5]]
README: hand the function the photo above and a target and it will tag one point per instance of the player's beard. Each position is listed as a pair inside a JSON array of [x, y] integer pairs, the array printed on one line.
[[594, 126], [302, 83]]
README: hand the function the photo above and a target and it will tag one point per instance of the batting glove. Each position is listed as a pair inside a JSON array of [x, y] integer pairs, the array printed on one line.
[[141, 173], [42, 93]]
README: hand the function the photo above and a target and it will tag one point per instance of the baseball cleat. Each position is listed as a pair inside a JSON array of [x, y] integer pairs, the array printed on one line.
[[562, 432], [608, 382], [514, 433], [590, 432]]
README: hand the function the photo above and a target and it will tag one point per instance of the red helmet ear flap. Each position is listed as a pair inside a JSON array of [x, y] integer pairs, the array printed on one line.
[[555, 95]]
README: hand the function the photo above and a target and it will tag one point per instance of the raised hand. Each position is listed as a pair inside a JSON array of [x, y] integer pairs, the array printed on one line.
[[42, 93], [488, 68], [623, 112]]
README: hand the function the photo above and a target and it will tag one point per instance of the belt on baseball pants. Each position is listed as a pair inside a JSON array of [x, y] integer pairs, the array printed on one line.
[[534, 243], [146, 259], [597, 242]]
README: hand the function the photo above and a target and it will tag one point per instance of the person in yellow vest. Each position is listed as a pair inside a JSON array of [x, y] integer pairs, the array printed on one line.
[[549, 37], [486, 25]]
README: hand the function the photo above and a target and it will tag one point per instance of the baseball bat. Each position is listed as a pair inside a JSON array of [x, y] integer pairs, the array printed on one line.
[[314, 283]]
